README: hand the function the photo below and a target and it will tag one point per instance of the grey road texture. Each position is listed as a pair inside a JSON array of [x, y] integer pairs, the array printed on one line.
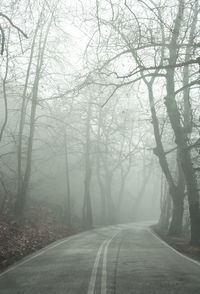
[[118, 259]]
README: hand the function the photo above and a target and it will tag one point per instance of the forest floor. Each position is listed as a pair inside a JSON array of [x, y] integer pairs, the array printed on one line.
[[180, 243], [41, 225]]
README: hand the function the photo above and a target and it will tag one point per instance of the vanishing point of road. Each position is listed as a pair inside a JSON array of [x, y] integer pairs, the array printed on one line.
[[119, 259]]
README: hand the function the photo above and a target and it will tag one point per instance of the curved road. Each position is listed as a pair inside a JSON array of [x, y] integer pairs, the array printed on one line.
[[119, 259]]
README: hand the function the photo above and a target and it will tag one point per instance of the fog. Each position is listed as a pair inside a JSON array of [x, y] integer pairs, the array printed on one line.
[[99, 146], [85, 121]]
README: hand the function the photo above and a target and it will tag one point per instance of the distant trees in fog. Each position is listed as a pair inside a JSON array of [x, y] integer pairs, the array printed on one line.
[[133, 94], [158, 45]]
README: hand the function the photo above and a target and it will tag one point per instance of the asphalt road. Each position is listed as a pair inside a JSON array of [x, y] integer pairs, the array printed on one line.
[[119, 259]]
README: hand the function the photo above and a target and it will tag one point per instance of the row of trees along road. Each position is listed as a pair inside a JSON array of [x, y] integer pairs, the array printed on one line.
[[156, 44], [58, 143], [82, 124]]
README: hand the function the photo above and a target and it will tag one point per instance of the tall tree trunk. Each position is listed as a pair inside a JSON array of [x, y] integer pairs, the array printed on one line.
[[111, 213], [98, 172], [178, 202], [21, 124], [102, 194], [121, 189], [22, 189], [180, 136], [141, 194], [165, 208], [174, 190], [87, 206], [68, 196]]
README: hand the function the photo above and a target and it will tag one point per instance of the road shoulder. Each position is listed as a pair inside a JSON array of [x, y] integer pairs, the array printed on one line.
[[178, 243]]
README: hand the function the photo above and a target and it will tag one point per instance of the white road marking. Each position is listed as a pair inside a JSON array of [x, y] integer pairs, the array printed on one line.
[[177, 252], [104, 271], [104, 266], [41, 251], [104, 247], [93, 277], [49, 247]]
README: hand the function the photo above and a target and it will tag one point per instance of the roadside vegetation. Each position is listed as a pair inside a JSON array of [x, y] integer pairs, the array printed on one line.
[[42, 224]]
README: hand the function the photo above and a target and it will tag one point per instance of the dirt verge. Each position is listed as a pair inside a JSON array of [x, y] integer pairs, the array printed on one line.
[[180, 243], [42, 225]]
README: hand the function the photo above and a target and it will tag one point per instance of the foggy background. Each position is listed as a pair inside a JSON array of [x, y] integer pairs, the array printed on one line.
[[76, 122]]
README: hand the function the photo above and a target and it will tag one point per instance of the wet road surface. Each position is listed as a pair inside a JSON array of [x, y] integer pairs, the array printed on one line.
[[118, 259]]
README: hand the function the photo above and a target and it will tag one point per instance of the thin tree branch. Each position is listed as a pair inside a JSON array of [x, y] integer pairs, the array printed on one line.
[[13, 25]]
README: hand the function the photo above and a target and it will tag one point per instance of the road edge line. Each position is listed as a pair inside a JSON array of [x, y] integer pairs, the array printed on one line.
[[173, 249], [39, 252]]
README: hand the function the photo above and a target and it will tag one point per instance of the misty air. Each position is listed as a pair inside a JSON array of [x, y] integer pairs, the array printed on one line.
[[99, 147]]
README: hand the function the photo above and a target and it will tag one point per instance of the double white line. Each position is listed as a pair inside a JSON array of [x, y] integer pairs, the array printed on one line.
[[103, 248]]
